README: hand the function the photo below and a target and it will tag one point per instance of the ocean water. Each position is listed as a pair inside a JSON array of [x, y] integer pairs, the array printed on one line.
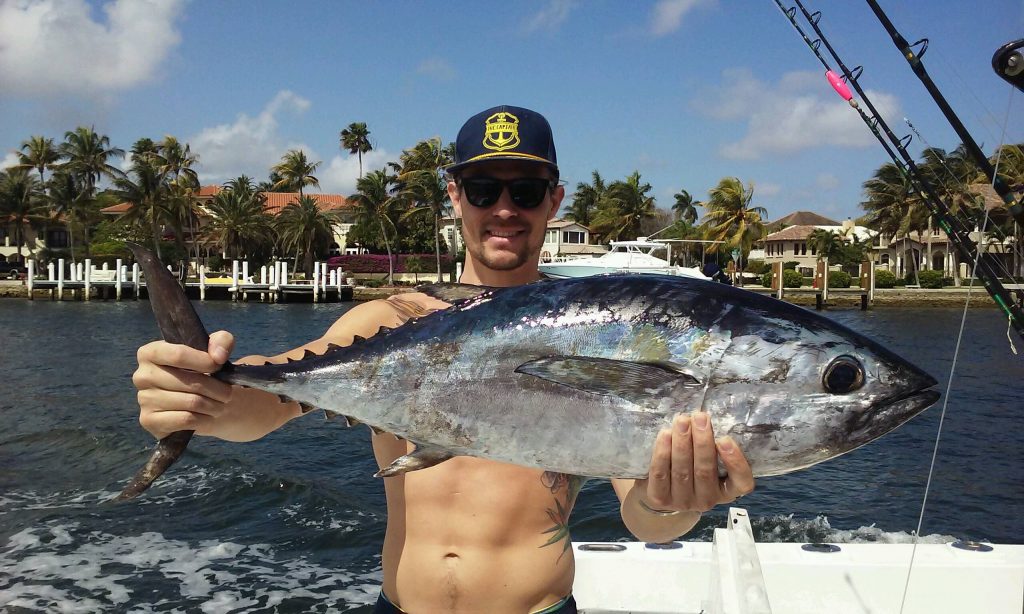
[[294, 522]]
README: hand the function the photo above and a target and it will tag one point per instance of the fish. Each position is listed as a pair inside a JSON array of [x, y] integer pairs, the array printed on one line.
[[579, 375]]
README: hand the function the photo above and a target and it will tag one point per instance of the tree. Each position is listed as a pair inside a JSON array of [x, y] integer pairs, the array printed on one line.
[[66, 197], [375, 201], [731, 219], [624, 206], [239, 224], [356, 140], [177, 160], [87, 156], [894, 207], [146, 188], [684, 207], [20, 202], [296, 171], [421, 182], [307, 229], [38, 153], [825, 243], [587, 200]]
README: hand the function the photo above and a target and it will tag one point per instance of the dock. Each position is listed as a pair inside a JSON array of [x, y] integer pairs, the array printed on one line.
[[272, 284]]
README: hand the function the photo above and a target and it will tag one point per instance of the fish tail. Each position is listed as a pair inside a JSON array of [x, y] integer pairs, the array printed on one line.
[[178, 323]]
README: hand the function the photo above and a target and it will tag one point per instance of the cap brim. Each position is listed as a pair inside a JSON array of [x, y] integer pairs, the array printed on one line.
[[495, 157]]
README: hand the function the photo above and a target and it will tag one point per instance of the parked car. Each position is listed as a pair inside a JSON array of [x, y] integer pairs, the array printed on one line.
[[12, 270]]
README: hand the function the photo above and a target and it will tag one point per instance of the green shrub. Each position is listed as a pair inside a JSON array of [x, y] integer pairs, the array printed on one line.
[[931, 279], [215, 263], [766, 280], [792, 279], [839, 279], [371, 283], [757, 267], [790, 266], [885, 279]]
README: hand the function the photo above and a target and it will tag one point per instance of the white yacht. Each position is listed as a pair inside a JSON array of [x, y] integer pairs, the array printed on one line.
[[640, 256]]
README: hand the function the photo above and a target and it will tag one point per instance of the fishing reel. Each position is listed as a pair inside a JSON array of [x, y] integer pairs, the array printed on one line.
[[1008, 62]]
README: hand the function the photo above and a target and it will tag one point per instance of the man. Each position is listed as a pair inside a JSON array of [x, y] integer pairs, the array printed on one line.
[[469, 534]]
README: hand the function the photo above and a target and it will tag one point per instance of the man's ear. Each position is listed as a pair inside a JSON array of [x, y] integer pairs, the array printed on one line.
[[455, 195], [556, 200]]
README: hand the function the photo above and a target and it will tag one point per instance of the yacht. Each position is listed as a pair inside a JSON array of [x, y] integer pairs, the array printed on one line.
[[640, 256]]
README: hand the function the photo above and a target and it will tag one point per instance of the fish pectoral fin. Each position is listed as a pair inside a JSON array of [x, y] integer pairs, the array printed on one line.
[[637, 382], [424, 456]]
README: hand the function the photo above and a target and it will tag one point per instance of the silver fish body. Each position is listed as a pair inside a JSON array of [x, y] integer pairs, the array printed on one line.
[[579, 375]]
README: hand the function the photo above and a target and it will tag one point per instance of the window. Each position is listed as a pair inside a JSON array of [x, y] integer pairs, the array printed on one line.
[[57, 238], [803, 249], [574, 237], [551, 236], [884, 259], [814, 249]]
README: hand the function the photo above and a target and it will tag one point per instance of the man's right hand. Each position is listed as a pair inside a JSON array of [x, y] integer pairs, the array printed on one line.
[[176, 393]]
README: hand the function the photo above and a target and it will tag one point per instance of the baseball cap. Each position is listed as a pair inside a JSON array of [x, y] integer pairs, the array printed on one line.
[[505, 133]]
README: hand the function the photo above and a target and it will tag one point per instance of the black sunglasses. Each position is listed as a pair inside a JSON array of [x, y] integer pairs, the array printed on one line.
[[525, 192]]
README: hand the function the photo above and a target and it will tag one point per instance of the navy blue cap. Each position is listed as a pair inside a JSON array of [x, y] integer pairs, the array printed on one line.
[[505, 133]]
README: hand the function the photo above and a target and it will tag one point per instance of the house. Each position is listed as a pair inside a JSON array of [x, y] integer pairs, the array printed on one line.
[[793, 244], [568, 239], [52, 235]]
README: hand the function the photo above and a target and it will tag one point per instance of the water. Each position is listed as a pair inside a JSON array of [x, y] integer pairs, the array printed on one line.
[[294, 522]]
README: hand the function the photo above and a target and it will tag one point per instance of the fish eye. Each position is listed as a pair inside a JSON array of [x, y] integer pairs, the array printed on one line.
[[843, 375]]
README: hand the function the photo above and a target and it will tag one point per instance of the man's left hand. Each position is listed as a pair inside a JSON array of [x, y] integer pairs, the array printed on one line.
[[684, 468]]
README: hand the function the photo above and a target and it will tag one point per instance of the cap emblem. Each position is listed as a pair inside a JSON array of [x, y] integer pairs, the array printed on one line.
[[501, 131]]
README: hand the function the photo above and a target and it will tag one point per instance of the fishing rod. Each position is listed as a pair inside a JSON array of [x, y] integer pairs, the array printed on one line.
[[955, 228], [1008, 62], [914, 59]]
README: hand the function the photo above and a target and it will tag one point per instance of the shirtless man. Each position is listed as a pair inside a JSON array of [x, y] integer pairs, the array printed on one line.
[[468, 535]]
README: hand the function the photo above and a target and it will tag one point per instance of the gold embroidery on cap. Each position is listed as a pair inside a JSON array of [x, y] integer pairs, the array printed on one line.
[[501, 131]]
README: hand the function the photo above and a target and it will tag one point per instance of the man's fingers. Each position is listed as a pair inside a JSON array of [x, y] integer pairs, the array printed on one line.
[[221, 344], [161, 424], [682, 460], [179, 380], [155, 401], [176, 355], [740, 480], [659, 487], [706, 488]]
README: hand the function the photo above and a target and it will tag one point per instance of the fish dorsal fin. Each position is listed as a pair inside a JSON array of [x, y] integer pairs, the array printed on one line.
[[453, 293], [642, 383], [309, 354]]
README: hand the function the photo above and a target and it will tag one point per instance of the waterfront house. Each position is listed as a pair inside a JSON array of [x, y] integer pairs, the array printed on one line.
[[568, 239], [793, 244]]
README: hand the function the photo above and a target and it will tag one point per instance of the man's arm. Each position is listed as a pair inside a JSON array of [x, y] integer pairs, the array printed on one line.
[[683, 480], [177, 393]]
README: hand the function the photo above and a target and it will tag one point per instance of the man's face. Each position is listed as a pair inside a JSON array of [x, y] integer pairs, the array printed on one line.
[[503, 236]]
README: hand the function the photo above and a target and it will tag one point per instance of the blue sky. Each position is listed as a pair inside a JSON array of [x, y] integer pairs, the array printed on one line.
[[684, 91]]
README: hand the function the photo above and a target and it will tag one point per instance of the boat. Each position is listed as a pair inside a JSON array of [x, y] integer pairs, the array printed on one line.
[[639, 256], [735, 575]]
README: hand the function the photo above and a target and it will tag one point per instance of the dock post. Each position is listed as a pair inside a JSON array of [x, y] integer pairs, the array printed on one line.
[[136, 283], [316, 282], [202, 281], [234, 280], [263, 282], [87, 278], [117, 279], [31, 264], [60, 279], [777, 279], [819, 303], [244, 280]]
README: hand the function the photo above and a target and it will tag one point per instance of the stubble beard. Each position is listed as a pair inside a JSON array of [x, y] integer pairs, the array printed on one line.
[[503, 260]]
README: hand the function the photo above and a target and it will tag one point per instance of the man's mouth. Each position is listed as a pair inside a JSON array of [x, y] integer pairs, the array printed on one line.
[[504, 234]]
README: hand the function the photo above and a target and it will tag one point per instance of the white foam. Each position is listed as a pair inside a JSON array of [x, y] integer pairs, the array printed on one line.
[[52, 571], [785, 528]]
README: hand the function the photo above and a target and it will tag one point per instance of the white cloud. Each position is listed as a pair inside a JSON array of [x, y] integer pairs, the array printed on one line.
[[250, 145], [826, 181], [55, 46], [436, 68], [551, 17], [10, 160], [340, 174], [767, 189], [667, 15], [797, 113]]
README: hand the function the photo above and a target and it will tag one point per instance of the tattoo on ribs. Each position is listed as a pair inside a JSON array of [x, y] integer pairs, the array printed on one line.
[[565, 488]]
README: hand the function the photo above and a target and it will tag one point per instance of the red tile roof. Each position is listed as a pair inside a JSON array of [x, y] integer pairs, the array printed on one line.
[[276, 201], [791, 233]]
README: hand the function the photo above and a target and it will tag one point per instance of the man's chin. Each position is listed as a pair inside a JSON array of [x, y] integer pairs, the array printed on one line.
[[502, 261]]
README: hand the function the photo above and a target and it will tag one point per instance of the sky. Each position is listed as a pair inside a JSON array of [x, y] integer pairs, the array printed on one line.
[[684, 91]]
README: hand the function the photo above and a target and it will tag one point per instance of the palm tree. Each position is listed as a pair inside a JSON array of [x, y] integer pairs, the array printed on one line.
[[38, 153], [356, 139], [148, 192], [20, 202], [731, 219], [66, 197], [177, 161], [624, 206], [374, 201], [87, 156], [296, 171], [307, 229], [685, 208], [421, 182], [587, 200], [894, 207], [239, 224], [825, 243]]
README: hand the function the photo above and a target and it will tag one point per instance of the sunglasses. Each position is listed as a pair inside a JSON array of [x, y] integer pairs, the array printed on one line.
[[525, 192]]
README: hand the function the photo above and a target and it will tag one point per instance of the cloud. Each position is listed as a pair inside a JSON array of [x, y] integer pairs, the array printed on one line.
[[250, 145], [9, 160], [551, 17], [436, 68], [767, 189], [795, 114], [56, 46], [667, 15], [341, 172], [826, 182]]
